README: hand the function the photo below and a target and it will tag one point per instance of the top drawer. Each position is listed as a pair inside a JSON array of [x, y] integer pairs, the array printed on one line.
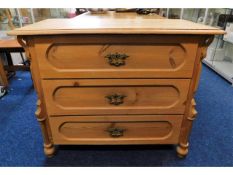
[[77, 57]]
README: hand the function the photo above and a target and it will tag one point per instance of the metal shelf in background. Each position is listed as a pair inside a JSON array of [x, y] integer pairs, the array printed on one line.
[[218, 70]]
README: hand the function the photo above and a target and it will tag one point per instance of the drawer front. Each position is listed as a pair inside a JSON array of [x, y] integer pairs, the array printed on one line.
[[67, 59], [116, 129], [93, 97]]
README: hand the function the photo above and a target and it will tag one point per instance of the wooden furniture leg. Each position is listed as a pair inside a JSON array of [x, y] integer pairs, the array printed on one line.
[[41, 112], [42, 118], [11, 73], [190, 113], [182, 148], [3, 77], [9, 58]]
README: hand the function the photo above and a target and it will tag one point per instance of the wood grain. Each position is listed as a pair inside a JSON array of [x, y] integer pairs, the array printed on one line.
[[12, 43], [102, 24], [139, 129], [149, 56], [142, 96]]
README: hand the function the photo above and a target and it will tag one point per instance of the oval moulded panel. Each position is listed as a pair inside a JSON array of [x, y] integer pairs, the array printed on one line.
[[134, 97], [85, 57], [131, 130], [118, 96]]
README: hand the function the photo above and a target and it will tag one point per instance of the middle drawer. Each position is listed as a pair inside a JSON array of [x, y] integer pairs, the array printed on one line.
[[115, 96]]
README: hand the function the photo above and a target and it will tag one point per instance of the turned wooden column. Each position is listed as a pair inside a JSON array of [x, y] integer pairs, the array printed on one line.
[[41, 112], [190, 111], [182, 148], [42, 119]]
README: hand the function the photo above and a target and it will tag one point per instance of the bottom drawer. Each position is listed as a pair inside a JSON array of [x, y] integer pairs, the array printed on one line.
[[133, 129]]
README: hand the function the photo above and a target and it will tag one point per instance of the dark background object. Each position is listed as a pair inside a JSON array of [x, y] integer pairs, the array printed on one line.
[[224, 19], [147, 11], [79, 11]]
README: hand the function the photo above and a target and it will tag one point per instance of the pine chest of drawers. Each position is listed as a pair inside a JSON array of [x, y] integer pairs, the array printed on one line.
[[110, 80]]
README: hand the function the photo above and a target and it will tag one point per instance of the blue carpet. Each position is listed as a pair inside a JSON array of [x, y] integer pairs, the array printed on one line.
[[211, 138]]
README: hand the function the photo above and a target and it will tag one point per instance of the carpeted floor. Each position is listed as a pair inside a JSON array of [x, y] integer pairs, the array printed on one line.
[[211, 138]]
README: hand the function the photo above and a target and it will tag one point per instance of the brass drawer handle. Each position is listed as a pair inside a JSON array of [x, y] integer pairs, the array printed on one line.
[[116, 132], [115, 99], [116, 59]]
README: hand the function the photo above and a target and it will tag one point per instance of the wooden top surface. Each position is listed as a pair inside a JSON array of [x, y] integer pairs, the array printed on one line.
[[115, 23], [11, 43]]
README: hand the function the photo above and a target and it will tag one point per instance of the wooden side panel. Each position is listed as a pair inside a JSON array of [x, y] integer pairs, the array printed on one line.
[[78, 57], [103, 129], [93, 97]]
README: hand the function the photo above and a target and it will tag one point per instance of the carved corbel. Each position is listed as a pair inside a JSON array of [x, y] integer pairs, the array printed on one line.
[[203, 51], [40, 118], [205, 44], [192, 113], [23, 42]]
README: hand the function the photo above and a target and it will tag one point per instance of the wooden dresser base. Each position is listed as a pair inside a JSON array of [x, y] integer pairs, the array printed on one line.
[[44, 110], [108, 80]]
